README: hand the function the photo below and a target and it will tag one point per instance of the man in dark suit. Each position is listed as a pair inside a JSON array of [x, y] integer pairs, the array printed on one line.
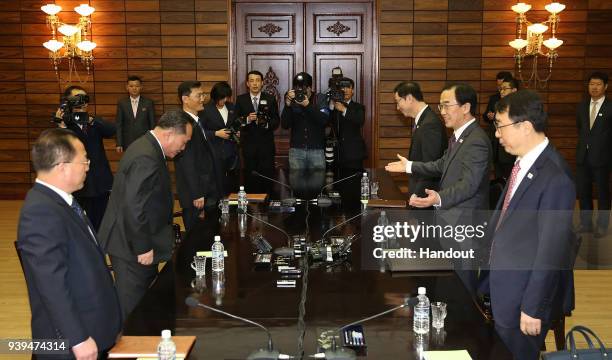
[[257, 137], [347, 119], [71, 290], [532, 251], [428, 141], [137, 228], [93, 197], [198, 174], [135, 114], [594, 154]]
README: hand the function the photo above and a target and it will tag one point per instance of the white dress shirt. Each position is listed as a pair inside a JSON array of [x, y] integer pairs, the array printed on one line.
[[526, 162]]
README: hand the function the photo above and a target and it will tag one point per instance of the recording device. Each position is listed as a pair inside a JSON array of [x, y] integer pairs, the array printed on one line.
[[263, 113], [301, 82], [336, 84], [262, 354], [235, 126], [325, 201], [290, 201], [69, 103]]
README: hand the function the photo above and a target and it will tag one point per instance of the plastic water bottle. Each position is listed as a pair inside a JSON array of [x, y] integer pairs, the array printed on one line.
[[218, 259], [166, 350], [421, 313], [242, 201], [365, 187]]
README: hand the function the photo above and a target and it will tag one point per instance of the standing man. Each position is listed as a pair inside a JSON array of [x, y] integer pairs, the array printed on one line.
[[428, 135], [135, 114], [594, 154], [306, 113], [137, 228], [531, 279], [257, 137], [489, 115], [348, 118], [93, 197], [199, 175], [502, 161], [71, 290]]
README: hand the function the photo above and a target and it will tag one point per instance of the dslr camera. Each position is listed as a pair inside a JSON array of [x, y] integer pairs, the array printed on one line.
[[337, 82], [263, 112], [235, 126], [69, 103], [301, 83]]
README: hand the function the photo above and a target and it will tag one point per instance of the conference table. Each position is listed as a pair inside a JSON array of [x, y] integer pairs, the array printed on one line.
[[331, 295]]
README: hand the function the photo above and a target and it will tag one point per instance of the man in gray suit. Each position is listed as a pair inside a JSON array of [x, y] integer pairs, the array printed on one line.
[[463, 169], [137, 228], [135, 115]]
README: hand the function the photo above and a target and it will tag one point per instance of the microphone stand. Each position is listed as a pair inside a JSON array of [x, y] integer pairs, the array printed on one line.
[[291, 201], [325, 201]]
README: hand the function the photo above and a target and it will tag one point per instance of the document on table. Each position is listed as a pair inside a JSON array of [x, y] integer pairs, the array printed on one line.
[[447, 355]]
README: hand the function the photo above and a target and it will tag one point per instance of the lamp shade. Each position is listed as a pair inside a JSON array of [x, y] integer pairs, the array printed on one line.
[[554, 8], [553, 43], [86, 45], [521, 8], [84, 10], [518, 44], [53, 45], [537, 28], [68, 30], [51, 9]]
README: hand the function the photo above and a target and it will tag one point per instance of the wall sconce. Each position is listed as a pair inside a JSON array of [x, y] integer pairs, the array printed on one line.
[[531, 46], [74, 43]]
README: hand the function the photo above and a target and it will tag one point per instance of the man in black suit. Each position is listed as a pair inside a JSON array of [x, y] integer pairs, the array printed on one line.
[[199, 178], [137, 228], [594, 154], [347, 119], [93, 197], [428, 141], [135, 114], [71, 290], [257, 137]]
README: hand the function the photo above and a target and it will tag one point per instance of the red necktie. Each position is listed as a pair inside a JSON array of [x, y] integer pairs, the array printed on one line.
[[513, 175]]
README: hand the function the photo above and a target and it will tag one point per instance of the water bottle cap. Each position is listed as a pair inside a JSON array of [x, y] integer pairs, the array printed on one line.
[[217, 238], [383, 213], [422, 290], [365, 174], [166, 334], [241, 188]]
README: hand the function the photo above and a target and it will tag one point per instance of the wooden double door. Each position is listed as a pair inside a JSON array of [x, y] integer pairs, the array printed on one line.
[[283, 39]]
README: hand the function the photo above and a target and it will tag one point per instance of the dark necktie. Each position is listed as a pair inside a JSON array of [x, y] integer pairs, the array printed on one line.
[[81, 213], [451, 143]]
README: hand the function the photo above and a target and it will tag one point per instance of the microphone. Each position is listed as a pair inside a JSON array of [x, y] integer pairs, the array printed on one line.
[[290, 201], [282, 251], [348, 354], [261, 354], [342, 223], [325, 201]]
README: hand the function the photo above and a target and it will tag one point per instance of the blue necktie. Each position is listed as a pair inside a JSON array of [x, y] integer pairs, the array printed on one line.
[[79, 211]]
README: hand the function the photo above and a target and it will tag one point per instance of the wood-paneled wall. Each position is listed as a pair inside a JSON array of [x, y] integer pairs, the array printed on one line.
[[163, 41], [437, 41], [167, 41]]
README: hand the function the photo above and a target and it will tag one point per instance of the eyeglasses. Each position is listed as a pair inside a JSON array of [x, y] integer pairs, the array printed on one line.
[[74, 162], [446, 106], [497, 126], [505, 88]]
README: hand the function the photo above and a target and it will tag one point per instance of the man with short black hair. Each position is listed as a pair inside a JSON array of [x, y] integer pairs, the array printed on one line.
[[71, 291], [135, 114], [347, 120], [137, 228], [594, 154]]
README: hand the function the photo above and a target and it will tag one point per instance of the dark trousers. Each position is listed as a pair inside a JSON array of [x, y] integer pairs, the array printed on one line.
[[586, 175], [94, 208], [523, 347], [132, 281], [191, 215]]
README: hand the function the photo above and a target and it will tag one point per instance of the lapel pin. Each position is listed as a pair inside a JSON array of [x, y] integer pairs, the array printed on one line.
[[461, 141], [530, 176], [600, 114]]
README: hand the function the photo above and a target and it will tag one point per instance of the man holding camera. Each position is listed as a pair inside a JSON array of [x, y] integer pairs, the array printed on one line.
[[261, 113], [306, 114], [347, 120], [91, 130]]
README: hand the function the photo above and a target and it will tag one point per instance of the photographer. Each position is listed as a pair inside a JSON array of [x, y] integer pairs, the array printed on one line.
[[306, 114], [91, 130], [222, 127], [261, 113], [347, 120]]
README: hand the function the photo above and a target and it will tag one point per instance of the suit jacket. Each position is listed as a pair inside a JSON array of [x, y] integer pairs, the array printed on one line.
[[71, 290], [198, 173], [211, 121], [428, 144], [597, 140], [130, 128], [463, 173], [139, 213], [99, 178], [533, 249], [351, 146], [257, 141]]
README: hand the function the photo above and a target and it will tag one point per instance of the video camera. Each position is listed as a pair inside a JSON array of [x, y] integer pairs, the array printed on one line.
[[337, 82], [69, 103]]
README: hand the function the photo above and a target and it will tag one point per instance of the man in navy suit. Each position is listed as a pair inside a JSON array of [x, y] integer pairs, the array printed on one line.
[[532, 249], [71, 290], [135, 114], [594, 154]]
